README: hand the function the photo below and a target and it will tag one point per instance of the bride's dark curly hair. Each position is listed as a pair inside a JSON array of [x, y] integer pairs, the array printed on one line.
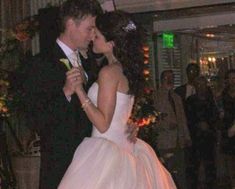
[[117, 26]]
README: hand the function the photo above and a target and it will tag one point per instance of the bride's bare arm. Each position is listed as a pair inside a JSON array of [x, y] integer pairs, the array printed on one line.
[[101, 116]]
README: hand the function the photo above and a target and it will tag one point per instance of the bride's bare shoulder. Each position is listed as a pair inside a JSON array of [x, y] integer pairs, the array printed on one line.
[[111, 71]]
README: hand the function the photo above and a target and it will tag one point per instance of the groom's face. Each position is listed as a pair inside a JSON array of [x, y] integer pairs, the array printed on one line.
[[82, 32]]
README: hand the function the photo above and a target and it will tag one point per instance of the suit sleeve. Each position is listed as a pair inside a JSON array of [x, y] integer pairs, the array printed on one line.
[[44, 99]]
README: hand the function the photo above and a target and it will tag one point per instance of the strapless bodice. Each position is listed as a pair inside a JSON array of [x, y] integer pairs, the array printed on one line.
[[117, 130]]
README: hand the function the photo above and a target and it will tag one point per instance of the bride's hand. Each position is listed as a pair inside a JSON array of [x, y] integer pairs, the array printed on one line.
[[82, 74]]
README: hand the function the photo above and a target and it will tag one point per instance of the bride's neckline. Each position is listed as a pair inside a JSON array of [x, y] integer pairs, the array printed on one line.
[[122, 93]]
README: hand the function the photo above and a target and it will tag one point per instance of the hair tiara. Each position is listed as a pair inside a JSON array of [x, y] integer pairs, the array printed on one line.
[[130, 26]]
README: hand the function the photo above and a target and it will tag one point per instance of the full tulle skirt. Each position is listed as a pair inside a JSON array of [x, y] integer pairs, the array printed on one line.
[[101, 164]]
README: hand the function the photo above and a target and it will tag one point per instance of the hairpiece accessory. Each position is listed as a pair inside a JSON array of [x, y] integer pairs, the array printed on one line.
[[130, 26]]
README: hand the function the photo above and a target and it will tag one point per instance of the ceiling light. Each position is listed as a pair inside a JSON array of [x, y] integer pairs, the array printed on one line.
[[210, 35]]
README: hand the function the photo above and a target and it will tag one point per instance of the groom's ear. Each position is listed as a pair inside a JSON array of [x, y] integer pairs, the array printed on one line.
[[70, 22]]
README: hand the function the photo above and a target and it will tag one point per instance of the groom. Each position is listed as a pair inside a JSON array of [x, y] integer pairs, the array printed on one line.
[[52, 107]]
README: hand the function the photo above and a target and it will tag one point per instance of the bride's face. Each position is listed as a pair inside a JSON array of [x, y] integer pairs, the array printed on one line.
[[100, 45]]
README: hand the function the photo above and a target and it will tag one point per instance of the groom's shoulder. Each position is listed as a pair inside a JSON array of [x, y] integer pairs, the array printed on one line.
[[36, 58], [42, 59], [38, 64]]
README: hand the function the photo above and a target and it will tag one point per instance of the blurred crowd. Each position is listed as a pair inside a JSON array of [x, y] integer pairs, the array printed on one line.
[[197, 137]]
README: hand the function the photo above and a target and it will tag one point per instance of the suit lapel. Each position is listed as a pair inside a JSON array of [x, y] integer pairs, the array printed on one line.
[[59, 54], [88, 65]]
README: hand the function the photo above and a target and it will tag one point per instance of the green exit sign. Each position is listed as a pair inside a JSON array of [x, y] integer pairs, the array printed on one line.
[[168, 40]]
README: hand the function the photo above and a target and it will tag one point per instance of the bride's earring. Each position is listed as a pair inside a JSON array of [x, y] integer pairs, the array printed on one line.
[[111, 45]]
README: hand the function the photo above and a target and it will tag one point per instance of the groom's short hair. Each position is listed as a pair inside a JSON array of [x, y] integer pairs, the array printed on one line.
[[78, 9]]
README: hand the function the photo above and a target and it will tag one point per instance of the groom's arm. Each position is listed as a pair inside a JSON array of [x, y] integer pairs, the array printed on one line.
[[44, 97]]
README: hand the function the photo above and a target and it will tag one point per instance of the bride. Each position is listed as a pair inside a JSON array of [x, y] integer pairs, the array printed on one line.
[[108, 160]]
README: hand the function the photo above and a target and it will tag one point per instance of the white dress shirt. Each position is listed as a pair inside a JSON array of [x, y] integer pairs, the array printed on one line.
[[73, 57]]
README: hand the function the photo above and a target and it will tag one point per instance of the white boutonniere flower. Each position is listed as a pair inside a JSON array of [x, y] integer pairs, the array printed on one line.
[[65, 61]]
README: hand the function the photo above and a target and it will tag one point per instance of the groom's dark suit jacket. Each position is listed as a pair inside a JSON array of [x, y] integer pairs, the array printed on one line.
[[62, 125]]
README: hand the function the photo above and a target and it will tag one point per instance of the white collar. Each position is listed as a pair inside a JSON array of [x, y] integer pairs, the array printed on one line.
[[68, 51]]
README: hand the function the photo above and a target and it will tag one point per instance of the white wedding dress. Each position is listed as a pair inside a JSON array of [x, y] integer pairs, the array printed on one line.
[[110, 161]]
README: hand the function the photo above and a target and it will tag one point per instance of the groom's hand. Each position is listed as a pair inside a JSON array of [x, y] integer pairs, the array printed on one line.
[[72, 79], [132, 131]]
